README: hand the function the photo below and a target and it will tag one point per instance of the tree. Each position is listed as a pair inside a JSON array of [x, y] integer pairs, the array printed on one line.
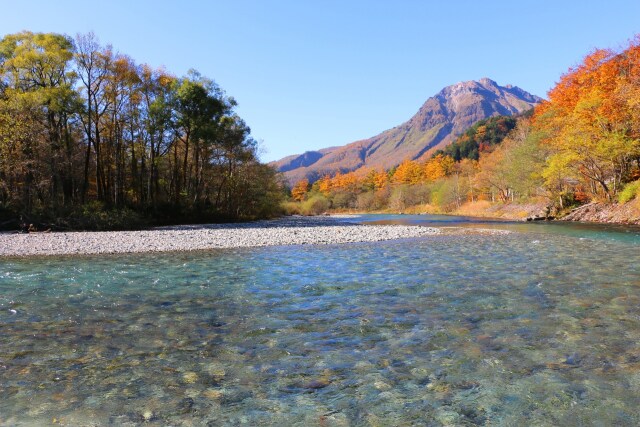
[[324, 184], [375, 179], [37, 84], [588, 122], [438, 167], [92, 66], [408, 172], [523, 162], [199, 106], [300, 190], [492, 176], [81, 123]]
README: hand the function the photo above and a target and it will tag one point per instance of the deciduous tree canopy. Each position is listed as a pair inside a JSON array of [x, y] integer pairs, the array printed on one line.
[[81, 123], [582, 144]]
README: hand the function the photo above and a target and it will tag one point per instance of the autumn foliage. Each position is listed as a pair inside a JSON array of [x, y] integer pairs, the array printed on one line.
[[299, 191], [591, 124], [85, 130], [480, 138], [582, 144], [373, 187]]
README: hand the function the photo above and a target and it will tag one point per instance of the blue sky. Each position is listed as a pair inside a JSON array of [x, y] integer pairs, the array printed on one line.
[[311, 74]]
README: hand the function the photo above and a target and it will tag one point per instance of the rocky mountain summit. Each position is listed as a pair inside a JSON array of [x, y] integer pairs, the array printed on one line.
[[436, 124]]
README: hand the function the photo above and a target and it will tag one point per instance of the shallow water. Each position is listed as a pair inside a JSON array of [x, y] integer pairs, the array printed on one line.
[[615, 232], [532, 328]]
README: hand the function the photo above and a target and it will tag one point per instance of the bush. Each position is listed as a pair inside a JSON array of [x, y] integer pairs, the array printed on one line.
[[444, 195], [315, 205], [405, 196], [629, 192], [381, 199], [94, 216], [365, 201], [292, 208], [344, 200]]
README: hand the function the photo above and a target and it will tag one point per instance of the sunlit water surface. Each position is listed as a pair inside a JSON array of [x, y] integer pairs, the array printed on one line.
[[539, 327]]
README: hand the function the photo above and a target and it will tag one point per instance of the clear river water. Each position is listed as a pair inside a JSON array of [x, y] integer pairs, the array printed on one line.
[[537, 327]]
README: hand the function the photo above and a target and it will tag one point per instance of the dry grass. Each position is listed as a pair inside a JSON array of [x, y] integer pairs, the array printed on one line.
[[479, 208], [484, 208]]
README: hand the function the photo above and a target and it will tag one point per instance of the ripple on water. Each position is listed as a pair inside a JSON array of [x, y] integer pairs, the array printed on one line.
[[453, 330]]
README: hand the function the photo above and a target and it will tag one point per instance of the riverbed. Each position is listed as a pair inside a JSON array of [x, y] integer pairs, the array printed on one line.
[[540, 326]]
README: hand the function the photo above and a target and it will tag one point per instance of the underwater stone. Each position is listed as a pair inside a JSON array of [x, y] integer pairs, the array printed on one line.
[[213, 394], [186, 405], [235, 396], [573, 359], [190, 377]]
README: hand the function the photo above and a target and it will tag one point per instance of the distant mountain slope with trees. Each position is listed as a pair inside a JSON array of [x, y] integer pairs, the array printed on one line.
[[582, 146], [482, 137], [438, 122]]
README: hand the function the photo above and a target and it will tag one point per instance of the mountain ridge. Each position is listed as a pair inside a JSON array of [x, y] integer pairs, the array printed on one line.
[[438, 121]]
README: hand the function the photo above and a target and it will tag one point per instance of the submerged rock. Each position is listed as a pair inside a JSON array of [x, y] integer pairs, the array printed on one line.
[[233, 397], [186, 405], [190, 377], [573, 359], [316, 384]]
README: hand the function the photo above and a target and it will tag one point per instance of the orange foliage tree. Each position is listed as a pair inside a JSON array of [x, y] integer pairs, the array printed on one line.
[[324, 184], [375, 179], [438, 167], [590, 122], [408, 172], [300, 190]]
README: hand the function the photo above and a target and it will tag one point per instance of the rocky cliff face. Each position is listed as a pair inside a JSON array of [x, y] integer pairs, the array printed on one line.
[[436, 124]]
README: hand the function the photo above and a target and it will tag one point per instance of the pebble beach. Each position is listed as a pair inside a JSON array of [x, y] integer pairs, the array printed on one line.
[[284, 231]]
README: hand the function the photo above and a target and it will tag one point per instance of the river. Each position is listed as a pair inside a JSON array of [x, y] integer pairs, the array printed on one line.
[[537, 327]]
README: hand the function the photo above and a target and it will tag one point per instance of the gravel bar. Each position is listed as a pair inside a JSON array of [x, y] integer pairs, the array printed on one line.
[[284, 231]]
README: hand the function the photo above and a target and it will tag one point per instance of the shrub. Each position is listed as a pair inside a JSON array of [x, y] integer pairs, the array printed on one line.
[[95, 216], [315, 205], [629, 192], [291, 208], [405, 196], [444, 195], [381, 199], [344, 200], [365, 201]]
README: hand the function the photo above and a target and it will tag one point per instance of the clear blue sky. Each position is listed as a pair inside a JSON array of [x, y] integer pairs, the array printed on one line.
[[310, 74]]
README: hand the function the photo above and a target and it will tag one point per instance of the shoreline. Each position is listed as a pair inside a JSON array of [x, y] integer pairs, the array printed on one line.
[[278, 232], [590, 213]]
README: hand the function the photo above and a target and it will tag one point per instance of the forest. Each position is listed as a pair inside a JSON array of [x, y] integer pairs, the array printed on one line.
[[580, 145], [89, 139]]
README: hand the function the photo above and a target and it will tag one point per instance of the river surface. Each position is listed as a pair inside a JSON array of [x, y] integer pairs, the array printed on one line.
[[537, 327]]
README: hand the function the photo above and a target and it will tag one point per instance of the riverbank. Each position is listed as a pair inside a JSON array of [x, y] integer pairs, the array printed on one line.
[[602, 213], [624, 213], [478, 209], [284, 231]]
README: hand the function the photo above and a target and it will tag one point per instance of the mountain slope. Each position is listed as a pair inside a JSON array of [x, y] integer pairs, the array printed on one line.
[[436, 124]]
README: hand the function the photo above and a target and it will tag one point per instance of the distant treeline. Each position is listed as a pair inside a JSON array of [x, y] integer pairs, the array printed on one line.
[[581, 145], [90, 139]]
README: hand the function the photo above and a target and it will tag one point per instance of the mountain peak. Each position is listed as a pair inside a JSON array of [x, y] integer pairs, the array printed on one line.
[[437, 123], [487, 82]]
